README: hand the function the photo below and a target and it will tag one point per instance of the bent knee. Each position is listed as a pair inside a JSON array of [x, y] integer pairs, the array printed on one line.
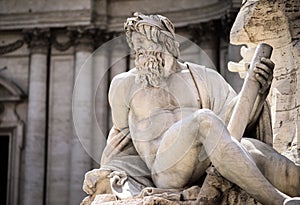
[[206, 118], [205, 115]]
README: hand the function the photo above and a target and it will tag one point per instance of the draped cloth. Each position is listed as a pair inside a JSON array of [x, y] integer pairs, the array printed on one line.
[[131, 175]]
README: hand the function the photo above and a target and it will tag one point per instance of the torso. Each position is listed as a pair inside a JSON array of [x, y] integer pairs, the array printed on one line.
[[154, 110]]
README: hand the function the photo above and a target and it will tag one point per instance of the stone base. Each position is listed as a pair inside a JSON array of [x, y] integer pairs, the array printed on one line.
[[215, 190]]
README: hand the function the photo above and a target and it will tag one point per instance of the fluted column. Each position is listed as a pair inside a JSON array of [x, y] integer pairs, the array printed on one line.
[[82, 113], [35, 140]]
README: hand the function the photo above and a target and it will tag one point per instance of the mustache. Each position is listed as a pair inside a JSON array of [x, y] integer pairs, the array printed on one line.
[[150, 59]]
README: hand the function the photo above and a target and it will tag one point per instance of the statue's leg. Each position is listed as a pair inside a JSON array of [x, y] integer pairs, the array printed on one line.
[[205, 129], [177, 161], [279, 170]]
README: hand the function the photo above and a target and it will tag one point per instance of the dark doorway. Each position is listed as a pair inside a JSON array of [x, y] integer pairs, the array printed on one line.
[[4, 154]]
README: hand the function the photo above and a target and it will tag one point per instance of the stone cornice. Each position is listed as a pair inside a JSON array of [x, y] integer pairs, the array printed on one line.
[[53, 19], [181, 18]]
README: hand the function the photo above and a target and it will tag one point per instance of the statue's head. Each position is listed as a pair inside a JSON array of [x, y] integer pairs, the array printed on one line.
[[156, 28], [152, 37]]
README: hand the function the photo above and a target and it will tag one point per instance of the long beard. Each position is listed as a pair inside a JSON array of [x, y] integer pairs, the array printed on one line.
[[150, 69]]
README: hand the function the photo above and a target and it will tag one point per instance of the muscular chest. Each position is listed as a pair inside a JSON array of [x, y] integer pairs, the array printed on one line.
[[179, 93]]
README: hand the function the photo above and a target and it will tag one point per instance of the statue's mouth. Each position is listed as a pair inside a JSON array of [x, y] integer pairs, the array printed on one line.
[[241, 67]]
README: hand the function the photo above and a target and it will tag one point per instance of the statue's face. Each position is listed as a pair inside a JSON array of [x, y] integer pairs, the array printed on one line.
[[141, 43], [149, 61]]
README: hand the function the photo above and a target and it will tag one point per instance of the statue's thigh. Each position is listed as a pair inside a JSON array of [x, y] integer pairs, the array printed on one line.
[[177, 160]]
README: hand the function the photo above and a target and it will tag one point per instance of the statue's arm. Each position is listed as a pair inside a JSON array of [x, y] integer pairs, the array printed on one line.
[[264, 75], [118, 102]]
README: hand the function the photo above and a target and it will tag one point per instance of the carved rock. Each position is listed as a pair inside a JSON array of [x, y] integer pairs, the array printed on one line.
[[276, 23], [215, 190]]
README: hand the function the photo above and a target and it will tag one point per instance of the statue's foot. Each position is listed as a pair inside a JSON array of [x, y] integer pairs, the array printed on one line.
[[292, 201]]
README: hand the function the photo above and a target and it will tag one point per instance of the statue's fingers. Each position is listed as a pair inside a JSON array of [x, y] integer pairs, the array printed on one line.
[[264, 84], [268, 62], [264, 67], [261, 80], [261, 72]]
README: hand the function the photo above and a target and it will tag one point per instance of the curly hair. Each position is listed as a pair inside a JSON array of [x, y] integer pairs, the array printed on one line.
[[156, 28]]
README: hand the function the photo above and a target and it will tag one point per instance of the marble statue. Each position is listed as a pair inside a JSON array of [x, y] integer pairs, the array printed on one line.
[[170, 125]]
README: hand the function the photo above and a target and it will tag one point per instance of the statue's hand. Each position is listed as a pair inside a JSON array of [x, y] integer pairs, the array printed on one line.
[[95, 177], [263, 72]]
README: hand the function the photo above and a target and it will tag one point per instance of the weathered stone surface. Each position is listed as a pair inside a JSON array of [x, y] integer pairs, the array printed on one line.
[[215, 191], [276, 23]]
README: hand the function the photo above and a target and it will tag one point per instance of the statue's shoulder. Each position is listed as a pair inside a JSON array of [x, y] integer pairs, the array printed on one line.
[[124, 78], [122, 84]]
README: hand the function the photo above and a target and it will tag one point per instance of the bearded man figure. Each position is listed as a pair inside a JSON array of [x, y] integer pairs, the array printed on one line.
[[169, 125]]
